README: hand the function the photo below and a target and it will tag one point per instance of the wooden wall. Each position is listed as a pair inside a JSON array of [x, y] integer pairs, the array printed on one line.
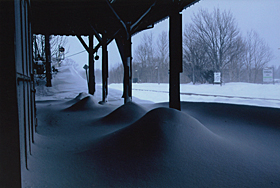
[[17, 100]]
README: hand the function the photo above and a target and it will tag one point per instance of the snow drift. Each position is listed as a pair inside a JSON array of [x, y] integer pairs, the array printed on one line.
[[80, 143], [66, 84], [125, 114], [86, 103], [169, 148], [79, 97]]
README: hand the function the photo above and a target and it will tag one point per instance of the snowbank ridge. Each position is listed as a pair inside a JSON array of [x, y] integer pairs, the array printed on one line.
[[171, 148], [86, 103], [79, 97], [161, 128], [125, 114]]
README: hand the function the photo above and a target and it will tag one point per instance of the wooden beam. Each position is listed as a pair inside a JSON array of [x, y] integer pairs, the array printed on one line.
[[96, 34], [100, 41], [134, 26], [125, 26], [83, 42]]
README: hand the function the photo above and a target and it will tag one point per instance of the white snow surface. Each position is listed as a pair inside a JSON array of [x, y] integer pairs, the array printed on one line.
[[80, 143], [69, 82], [267, 95], [65, 85]]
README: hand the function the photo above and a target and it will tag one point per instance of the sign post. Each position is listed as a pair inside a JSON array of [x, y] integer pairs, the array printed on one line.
[[86, 68], [268, 75], [217, 78]]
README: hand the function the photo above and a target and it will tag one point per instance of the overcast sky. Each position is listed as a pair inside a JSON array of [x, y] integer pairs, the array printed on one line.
[[263, 16]]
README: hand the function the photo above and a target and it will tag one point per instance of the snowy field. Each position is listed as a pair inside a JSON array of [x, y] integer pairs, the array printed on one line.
[[233, 93], [72, 82], [80, 143]]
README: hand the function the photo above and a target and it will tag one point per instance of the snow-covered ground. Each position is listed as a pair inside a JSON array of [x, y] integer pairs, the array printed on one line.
[[80, 143], [65, 85], [71, 82], [233, 93]]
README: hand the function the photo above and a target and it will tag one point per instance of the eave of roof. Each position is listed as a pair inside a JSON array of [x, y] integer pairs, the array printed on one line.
[[69, 17]]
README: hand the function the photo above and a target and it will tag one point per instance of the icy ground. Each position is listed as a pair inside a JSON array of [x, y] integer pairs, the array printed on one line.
[[80, 143]]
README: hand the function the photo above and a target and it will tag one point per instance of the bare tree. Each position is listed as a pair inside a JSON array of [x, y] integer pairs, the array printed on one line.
[[141, 58], [257, 55], [162, 54], [39, 45], [116, 74], [216, 34], [144, 55], [196, 60], [57, 42], [277, 72], [250, 51], [149, 40], [236, 64], [162, 46]]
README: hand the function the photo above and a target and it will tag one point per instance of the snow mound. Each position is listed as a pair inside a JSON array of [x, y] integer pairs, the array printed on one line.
[[169, 148], [152, 146], [125, 114], [79, 97], [86, 103], [161, 128]]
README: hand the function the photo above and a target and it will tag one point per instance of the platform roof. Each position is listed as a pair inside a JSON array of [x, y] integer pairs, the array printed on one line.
[[82, 17]]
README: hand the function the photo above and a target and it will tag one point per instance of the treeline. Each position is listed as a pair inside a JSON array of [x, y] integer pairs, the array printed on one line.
[[150, 61], [212, 42]]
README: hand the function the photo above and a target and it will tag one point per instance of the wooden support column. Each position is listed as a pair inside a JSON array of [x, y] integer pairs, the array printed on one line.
[[175, 55], [124, 46], [104, 68], [48, 60], [127, 82], [91, 82], [91, 51]]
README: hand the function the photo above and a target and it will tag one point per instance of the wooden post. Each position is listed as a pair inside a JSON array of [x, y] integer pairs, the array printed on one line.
[[91, 82], [127, 82], [104, 68], [124, 46], [175, 55], [48, 60]]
